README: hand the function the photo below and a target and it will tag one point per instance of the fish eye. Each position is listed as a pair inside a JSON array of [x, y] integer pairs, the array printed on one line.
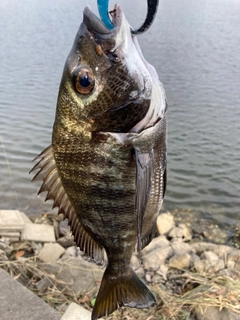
[[84, 80]]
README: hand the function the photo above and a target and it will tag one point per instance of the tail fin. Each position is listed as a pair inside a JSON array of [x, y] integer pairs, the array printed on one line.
[[127, 291]]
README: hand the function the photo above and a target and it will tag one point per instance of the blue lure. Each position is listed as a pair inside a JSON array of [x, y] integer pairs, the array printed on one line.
[[103, 12], [151, 13]]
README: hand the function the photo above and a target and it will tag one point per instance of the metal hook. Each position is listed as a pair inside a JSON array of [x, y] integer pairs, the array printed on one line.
[[151, 13]]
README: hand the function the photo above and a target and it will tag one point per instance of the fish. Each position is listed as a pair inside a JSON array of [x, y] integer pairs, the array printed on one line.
[[105, 169]]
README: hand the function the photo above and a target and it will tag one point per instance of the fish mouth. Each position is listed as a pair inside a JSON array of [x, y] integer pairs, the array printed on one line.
[[108, 39], [95, 24]]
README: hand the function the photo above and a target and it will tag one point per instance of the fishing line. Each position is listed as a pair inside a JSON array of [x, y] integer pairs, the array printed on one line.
[[9, 170]]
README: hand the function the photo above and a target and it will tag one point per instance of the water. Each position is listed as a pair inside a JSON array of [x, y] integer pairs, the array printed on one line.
[[194, 46]]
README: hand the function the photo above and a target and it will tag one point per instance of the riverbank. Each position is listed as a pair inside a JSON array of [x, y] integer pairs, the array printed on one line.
[[191, 277]]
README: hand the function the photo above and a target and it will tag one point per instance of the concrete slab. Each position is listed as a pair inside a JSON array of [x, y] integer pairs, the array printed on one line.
[[76, 312], [25, 218], [10, 234], [51, 252], [11, 221], [18, 303], [38, 233]]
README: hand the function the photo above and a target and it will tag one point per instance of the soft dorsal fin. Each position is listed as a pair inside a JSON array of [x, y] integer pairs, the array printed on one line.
[[48, 173]]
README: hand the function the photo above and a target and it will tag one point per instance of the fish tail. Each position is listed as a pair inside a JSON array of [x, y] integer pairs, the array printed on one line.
[[128, 291]]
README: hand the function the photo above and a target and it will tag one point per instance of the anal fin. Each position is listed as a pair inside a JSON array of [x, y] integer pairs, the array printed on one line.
[[48, 173]]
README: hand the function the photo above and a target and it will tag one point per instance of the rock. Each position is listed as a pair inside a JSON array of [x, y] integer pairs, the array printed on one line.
[[148, 277], [165, 223], [231, 273], [180, 248], [200, 247], [3, 256], [6, 248], [213, 234], [71, 252], [135, 264], [67, 241], [162, 271], [181, 232], [180, 262], [157, 279], [140, 272], [38, 233], [223, 251], [51, 252], [25, 218], [157, 243], [11, 221], [210, 256], [187, 235], [199, 266], [76, 312], [43, 284], [233, 260], [79, 275], [155, 259], [214, 313]]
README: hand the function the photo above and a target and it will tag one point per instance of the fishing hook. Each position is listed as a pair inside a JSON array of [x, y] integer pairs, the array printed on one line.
[[151, 13]]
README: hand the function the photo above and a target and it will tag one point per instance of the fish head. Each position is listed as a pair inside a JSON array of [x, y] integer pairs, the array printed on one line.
[[106, 83]]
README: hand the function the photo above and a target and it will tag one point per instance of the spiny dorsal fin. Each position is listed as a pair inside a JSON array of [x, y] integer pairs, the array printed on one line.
[[48, 173]]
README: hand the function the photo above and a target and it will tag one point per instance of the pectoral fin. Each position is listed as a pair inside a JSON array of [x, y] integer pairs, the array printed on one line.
[[48, 172], [144, 176]]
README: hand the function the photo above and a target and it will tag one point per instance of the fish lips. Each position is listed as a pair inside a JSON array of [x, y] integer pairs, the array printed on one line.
[[101, 35]]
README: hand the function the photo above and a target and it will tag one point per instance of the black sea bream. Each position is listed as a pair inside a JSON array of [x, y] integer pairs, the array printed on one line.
[[106, 166]]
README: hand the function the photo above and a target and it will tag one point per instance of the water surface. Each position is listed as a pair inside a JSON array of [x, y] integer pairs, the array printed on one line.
[[194, 46]]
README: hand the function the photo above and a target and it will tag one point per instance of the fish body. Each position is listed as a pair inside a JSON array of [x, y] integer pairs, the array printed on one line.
[[106, 166]]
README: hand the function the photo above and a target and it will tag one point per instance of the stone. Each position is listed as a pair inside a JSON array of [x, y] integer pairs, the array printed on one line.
[[180, 262], [17, 302], [165, 223], [233, 260], [3, 256], [187, 235], [72, 251], [50, 252], [135, 264], [43, 284], [182, 232], [67, 241], [231, 273], [213, 234], [140, 272], [79, 275], [25, 217], [10, 234], [76, 312], [157, 243], [162, 271], [11, 221], [38, 233], [148, 277], [210, 256], [199, 266], [155, 259], [6, 248], [223, 251], [214, 313], [200, 247], [180, 248]]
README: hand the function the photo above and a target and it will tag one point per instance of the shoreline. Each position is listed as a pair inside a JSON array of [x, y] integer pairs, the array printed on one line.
[[184, 269]]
